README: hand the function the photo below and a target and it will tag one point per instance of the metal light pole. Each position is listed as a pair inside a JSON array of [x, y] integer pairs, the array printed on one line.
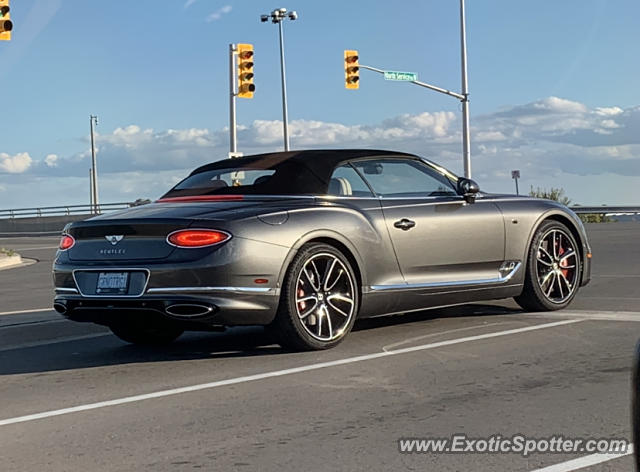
[[93, 122], [278, 16], [466, 135]]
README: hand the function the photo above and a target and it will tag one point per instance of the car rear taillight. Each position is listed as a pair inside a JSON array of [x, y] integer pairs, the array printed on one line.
[[191, 238], [66, 242]]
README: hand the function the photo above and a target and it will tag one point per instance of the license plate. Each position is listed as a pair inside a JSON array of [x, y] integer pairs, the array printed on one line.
[[113, 283]]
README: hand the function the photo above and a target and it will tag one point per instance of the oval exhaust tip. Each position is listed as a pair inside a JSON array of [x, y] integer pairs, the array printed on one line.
[[60, 308], [188, 309]]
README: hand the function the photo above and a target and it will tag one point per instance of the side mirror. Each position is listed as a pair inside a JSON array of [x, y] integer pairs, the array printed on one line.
[[468, 189]]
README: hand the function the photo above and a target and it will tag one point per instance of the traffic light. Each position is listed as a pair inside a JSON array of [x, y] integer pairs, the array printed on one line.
[[5, 21], [245, 71], [351, 70]]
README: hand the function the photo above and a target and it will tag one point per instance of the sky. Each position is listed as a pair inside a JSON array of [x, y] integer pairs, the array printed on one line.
[[553, 91]]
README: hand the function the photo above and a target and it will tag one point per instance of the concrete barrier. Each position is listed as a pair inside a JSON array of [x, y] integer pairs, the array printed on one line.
[[40, 225]]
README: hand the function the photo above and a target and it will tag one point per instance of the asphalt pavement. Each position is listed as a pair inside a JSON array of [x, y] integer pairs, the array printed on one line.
[[77, 398]]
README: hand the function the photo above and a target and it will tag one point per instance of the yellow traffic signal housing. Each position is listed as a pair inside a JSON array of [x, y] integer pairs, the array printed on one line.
[[245, 71], [351, 70], [5, 21]]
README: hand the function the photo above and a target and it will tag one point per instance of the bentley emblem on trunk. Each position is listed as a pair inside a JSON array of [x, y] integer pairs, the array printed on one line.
[[114, 239]]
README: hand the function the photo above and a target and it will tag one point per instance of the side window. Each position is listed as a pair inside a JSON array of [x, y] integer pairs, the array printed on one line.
[[345, 181], [404, 178]]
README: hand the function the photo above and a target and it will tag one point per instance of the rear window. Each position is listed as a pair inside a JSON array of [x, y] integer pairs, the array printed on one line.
[[214, 179], [248, 176]]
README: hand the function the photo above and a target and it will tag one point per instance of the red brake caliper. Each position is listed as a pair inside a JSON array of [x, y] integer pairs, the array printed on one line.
[[563, 262], [303, 305]]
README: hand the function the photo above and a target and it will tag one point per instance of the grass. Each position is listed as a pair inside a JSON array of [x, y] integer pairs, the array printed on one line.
[[7, 252]]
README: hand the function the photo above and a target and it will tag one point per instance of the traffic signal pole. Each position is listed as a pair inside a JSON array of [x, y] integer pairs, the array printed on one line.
[[351, 82], [421, 84], [466, 135], [233, 135]]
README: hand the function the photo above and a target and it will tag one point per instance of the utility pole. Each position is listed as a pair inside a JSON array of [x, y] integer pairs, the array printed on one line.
[[91, 189], [93, 122]]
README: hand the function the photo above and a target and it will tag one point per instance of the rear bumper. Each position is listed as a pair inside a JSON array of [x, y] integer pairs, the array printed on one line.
[[224, 306]]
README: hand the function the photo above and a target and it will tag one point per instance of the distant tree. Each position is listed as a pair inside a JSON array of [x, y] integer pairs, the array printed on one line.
[[557, 194]]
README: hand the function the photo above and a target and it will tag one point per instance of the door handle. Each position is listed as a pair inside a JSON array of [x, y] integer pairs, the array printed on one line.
[[404, 224]]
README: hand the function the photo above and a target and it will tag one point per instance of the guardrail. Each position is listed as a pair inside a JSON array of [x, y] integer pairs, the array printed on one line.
[[63, 210], [586, 210]]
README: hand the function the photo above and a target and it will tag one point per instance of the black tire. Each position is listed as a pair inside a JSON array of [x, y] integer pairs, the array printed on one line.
[[152, 334], [562, 285], [294, 325]]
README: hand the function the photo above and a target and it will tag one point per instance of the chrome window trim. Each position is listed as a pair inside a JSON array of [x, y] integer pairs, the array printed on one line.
[[113, 269], [457, 283]]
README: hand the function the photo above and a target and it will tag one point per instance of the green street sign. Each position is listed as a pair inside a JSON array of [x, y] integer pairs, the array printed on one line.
[[395, 75]]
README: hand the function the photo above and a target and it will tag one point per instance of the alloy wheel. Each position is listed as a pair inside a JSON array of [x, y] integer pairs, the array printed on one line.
[[325, 301], [557, 266]]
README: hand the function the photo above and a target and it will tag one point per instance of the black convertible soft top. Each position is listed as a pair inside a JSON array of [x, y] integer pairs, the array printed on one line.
[[295, 172]]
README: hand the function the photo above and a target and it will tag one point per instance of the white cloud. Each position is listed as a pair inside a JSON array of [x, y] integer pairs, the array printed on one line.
[[51, 160], [188, 3], [15, 164], [548, 140], [216, 15]]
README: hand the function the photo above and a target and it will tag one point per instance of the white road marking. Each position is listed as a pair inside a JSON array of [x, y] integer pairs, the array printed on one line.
[[20, 312], [53, 341], [592, 315], [277, 373], [437, 333], [583, 462]]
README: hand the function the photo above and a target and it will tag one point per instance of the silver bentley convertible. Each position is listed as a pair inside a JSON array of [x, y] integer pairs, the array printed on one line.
[[305, 242]]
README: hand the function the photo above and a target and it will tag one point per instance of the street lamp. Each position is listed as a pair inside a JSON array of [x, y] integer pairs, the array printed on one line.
[[277, 16]]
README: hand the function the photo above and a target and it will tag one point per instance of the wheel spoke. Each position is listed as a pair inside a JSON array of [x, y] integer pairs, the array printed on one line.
[[327, 273], [559, 286], [316, 274], [546, 254], [328, 317], [306, 313], [553, 244], [332, 305], [310, 278], [546, 279], [553, 279], [566, 281], [341, 297], [337, 279], [304, 299], [570, 253], [319, 312]]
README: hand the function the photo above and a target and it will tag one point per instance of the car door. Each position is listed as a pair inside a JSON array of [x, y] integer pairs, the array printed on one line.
[[440, 240]]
